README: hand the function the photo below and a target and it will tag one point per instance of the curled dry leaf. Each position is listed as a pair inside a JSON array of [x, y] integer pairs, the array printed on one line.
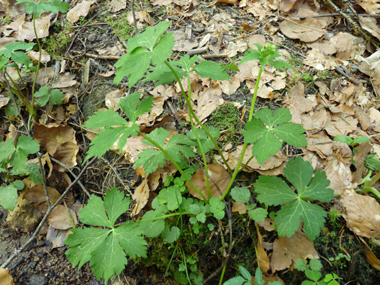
[[286, 251], [117, 5], [81, 9], [24, 217], [60, 218], [113, 98], [217, 173], [268, 224], [371, 257], [5, 277], [141, 197], [36, 195], [4, 101], [34, 55], [308, 30], [362, 214], [60, 143], [57, 237], [239, 207], [233, 157], [262, 256]]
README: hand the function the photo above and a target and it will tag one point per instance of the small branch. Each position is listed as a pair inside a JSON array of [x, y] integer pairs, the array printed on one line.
[[349, 77], [17, 252], [117, 175], [72, 173]]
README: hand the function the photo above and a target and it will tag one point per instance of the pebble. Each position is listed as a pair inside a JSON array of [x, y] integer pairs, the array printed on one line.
[[92, 37], [38, 280]]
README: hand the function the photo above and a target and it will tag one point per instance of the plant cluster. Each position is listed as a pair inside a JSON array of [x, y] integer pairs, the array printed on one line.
[[14, 153], [107, 245], [265, 130], [312, 271]]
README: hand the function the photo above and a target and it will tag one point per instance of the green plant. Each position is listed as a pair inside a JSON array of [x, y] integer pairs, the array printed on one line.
[[307, 77], [351, 142], [14, 154], [312, 271], [17, 157], [266, 131], [334, 216], [372, 163], [6, 20], [45, 95], [340, 260], [21, 62], [245, 278], [121, 27]]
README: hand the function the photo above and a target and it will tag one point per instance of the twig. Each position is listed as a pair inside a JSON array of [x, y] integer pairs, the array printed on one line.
[[209, 56], [72, 173], [197, 51], [340, 71], [97, 56], [17, 252], [117, 175]]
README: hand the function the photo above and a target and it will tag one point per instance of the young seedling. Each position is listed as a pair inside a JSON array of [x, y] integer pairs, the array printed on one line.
[[246, 277]]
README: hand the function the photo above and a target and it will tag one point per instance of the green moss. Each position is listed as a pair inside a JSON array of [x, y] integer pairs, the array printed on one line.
[[121, 27], [225, 117], [56, 45]]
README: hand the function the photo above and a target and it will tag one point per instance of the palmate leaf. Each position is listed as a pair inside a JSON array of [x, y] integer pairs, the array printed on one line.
[[163, 75], [152, 159], [267, 139], [106, 248], [44, 95], [205, 140], [115, 126], [142, 50], [25, 145], [273, 190], [8, 194], [212, 70], [37, 8]]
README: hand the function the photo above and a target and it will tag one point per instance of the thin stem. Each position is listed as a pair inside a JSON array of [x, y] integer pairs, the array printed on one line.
[[222, 275], [237, 169], [17, 90], [38, 64], [15, 102], [23, 82], [176, 165], [163, 217], [188, 100], [197, 120], [372, 190], [374, 180]]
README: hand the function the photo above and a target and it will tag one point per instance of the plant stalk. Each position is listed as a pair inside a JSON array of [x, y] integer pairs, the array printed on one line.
[[176, 166], [237, 169]]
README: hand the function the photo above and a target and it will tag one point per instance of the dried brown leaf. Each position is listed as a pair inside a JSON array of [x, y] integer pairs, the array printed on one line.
[[362, 214], [217, 173]]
